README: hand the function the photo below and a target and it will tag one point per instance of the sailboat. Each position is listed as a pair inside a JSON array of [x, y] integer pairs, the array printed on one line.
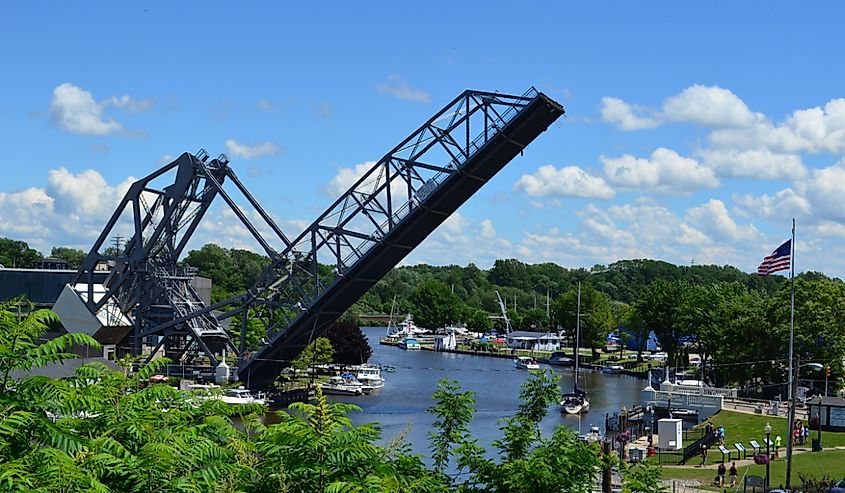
[[576, 402]]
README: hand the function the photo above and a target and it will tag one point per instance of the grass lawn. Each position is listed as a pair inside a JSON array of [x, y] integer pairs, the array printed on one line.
[[830, 463], [742, 427]]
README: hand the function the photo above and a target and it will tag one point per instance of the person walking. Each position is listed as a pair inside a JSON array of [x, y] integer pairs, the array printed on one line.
[[732, 473], [703, 455], [777, 446], [720, 474], [721, 435], [806, 434]]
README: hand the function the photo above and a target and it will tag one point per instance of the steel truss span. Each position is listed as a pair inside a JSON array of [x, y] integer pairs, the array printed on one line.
[[367, 231]]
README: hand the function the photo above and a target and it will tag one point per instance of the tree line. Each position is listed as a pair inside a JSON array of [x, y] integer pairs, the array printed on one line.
[[737, 322]]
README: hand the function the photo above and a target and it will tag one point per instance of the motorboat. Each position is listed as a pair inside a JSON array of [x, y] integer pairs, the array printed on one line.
[[526, 363], [410, 344], [613, 369], [406, 328], [594, 435], [345, 384], [242, 396], [575, 402], [370, 376], [232, 397], [560, 359]]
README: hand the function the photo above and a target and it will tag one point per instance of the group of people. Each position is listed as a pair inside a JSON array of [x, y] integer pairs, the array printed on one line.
[[718, 433], [800, 433], [720, 474]]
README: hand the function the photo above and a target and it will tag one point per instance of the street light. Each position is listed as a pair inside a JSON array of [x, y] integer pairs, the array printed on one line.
[[791, 414], [768, 430]]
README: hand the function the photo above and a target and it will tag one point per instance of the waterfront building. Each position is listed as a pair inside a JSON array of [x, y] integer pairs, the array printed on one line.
[[535, 341]]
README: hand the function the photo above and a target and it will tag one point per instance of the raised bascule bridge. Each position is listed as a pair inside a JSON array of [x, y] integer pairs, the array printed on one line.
[[147, 301]]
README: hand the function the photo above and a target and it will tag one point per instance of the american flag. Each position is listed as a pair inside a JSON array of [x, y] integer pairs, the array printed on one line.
[[778, 260]]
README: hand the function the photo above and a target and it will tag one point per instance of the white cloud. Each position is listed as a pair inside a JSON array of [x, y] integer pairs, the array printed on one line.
[[614, 110], [783, 204], [824, 190], [714, 220], [129, 103], [461, 240], [399, 88], [665, 172], [755, 163], [815, 130], [75, 110], [246, 151], [570, 181], [346, 177], [708, 106]]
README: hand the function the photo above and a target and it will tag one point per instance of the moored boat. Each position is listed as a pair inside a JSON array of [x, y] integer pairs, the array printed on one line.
[[370, 376], [345, 384], [410, 344], [559, 358]]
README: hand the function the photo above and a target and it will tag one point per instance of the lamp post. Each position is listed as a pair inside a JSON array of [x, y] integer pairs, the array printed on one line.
[[791, 415], [768, 430]]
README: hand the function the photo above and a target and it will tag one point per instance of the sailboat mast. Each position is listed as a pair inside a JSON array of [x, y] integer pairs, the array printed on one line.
[[577, 335]]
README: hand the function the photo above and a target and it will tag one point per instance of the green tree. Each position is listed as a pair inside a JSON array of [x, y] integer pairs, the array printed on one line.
[[435, 305], [661, 308], [596, 316], [17, 254], [643, 477], [74, 256], [477, 320], [535, 319], [453, 410], [317, 353]]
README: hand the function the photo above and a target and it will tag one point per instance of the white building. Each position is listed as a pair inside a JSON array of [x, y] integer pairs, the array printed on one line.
[[536, 341]]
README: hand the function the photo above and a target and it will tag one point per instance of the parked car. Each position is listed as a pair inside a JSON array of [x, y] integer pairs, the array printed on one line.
[[838, 487], [661, 356]]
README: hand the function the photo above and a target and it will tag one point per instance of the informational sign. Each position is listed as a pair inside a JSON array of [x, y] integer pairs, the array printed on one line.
[[837, 417]]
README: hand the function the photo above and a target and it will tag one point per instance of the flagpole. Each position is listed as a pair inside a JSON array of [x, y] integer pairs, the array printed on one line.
[[792, 383]]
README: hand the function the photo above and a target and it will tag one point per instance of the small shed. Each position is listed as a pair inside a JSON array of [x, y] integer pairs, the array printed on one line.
[[445, 342], [830, 412]]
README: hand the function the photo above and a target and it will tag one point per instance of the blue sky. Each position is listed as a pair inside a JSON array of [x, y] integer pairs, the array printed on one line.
[[695, 131]]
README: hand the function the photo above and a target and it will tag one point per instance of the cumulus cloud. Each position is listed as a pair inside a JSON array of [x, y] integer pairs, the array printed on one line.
[[75, 110], [624, 115], [754, 163], [814, 130], [461, 240], [665, 172], [399, 88], [245, 151], [710, 106], [569, 181], [713, 219], [824, 189], [782, 204]]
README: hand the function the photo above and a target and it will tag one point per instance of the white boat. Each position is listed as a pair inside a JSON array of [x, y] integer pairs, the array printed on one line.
[[345, 384], [242, 396], [526, 363], [232, 397], [406, 328], [594, 435], [576, 402], [410, 344], [370, 376]]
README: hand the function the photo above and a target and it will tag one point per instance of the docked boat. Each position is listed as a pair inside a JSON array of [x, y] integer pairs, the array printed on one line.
[[370, 376], [242, 396], [410, 344], [576, 402], [613, 369], [526, 363], [559, 358], [592, 436], [345, 384]]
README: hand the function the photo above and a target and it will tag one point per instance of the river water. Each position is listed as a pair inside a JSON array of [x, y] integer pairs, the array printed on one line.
[[400, 407]]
